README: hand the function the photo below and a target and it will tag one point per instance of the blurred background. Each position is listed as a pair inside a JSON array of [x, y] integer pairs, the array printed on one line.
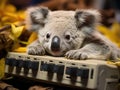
[[110, 8], [15, 37]]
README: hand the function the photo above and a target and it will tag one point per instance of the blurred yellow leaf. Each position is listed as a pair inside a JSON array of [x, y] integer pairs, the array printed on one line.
[[15, 45], [112, 33], [20, 49], [17, 31], [114, 63], [21, 15], [2, 67], [2, 4], [32, 37], [10, 8], [116, 29], [12, 15], [104, 30], [6, 20]]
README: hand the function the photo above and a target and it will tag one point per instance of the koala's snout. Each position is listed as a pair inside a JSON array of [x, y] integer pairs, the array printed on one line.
[[55, 44]]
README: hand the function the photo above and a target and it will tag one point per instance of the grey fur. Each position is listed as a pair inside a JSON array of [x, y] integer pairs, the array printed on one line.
[[76, 30]]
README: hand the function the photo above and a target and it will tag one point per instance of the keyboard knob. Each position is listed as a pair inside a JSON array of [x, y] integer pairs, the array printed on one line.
[[27, 66], [7, 61], [59, 69], [34, 67], [11, 61], [44, 66], [72, 71], [50, 68], [14, 62], [20, 63], [83, 73]]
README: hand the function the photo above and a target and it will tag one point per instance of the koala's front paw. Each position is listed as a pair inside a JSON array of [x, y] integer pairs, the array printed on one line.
[[36, 50], [76, 54]]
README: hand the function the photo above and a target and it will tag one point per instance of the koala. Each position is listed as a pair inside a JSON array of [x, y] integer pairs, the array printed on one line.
[[71, 34]]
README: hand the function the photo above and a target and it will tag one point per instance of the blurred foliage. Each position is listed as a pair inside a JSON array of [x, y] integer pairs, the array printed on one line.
[[8, 14], [112, 33], [12, 21], [2, 65]]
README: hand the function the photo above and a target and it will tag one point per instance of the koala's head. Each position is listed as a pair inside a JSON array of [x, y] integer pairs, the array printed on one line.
[[61, 31]]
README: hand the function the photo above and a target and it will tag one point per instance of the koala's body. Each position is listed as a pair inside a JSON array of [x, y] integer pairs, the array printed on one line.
[[68, 33]]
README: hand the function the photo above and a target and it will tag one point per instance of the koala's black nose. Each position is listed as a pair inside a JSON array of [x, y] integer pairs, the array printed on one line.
[[55, 45]]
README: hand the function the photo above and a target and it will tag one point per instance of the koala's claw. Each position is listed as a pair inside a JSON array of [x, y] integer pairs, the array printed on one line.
[[76, 54], [35, 50]]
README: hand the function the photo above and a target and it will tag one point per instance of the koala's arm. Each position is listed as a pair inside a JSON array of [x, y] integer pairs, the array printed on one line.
[[35, 48], [90, 51]]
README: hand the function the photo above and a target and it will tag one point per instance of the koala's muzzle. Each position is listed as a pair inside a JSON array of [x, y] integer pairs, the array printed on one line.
[[55, 44]]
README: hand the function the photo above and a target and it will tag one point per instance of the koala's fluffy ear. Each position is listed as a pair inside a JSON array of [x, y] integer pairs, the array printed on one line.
[[87, 18], [36, 17]]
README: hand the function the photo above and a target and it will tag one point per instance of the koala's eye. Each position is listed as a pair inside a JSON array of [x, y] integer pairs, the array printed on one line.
[[67, 37], [48, 35]]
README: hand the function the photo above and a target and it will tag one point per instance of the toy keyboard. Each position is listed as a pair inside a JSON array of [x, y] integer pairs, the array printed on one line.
[[92, 74]]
